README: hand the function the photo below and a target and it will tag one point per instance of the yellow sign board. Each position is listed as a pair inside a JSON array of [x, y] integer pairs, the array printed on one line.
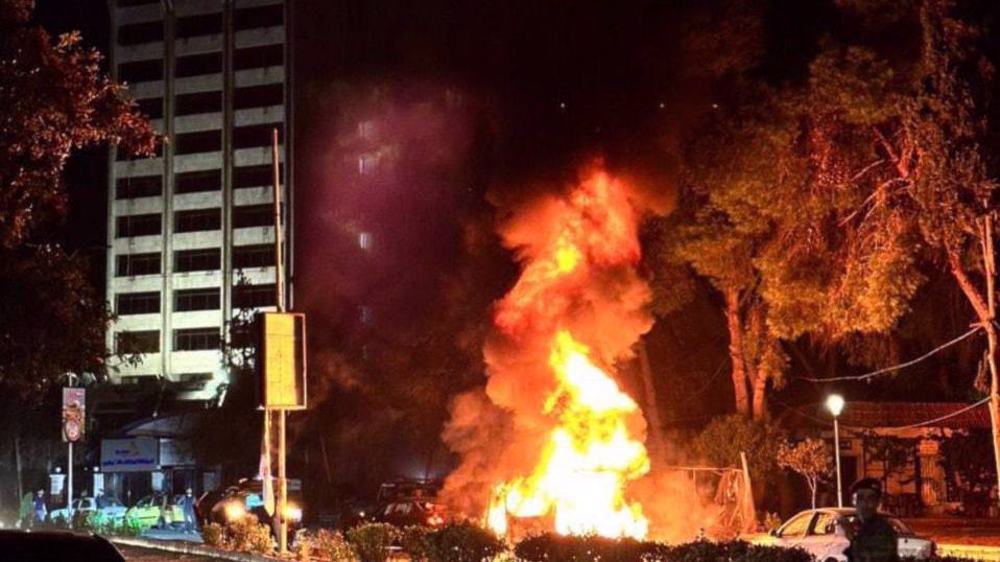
[[282, 360]]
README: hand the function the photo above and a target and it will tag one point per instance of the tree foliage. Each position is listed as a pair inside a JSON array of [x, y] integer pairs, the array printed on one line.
[[54, 99], [814, 206], [725, 438], [52, 321], [808, 458]]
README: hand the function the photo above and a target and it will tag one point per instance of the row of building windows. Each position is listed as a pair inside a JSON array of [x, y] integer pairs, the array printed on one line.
[[202, 24], [248, 136], [244, 216], [148, 341], [194, 182], [211, 102], [187, 300], [188, 339], [244, 257], [205, 63]]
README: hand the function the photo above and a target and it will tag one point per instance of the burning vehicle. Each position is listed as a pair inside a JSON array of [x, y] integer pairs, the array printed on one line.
[[554, 440]]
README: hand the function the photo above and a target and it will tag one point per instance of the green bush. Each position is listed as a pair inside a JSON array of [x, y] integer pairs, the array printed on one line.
[[462, 542], [213, 535], [550, 547], [325, 544], [246, 534], [556, 548], [415, 542], [371, 541]]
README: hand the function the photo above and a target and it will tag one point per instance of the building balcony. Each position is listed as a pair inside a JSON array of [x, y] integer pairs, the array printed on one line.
[[196, 280], [138, 206], [137, 283], [140, 167], [202, 361], [259, 76], [148, 364], [200, 200], [260, 36], [198, 161], [196, 84], [195, 319], [141, 51], [139, 14], [198, 122], [259, 115], [199, 44], [138, 244]]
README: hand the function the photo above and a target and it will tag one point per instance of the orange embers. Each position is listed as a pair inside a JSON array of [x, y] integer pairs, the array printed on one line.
[[589, 455]]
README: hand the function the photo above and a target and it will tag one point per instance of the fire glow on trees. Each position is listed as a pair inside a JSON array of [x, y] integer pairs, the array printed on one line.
[[578, 305]]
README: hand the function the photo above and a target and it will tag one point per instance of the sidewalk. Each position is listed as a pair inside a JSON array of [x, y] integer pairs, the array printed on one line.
[[192, 548]]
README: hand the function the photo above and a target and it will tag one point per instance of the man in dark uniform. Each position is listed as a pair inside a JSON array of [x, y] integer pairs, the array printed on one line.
[[872, 536]]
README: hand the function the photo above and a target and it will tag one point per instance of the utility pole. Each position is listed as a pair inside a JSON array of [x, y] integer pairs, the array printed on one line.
[[280, 301], [990, 269]]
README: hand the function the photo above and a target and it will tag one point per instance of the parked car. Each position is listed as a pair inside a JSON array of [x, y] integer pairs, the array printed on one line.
[[820, 533], [109, 508], [247, 497], [51, 546], [156, 510], [404, 513]]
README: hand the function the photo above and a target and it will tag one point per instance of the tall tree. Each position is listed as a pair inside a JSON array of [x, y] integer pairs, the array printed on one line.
[[903, 156], [54, 99]]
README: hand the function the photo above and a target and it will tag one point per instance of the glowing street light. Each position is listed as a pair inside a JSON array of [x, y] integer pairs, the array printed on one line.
[[835, 403]]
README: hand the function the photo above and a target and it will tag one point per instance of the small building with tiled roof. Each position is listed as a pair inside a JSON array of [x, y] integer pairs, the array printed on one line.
[[900, 443]]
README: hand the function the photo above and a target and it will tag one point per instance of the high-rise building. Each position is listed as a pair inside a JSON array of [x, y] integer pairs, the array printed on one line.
[[191, 231]]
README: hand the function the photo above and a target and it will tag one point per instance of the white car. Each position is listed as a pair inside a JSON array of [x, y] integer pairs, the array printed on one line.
[[109, 508], [819, 532]]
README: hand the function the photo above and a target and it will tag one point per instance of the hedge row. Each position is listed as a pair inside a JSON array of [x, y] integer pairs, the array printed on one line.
[[465, 542]]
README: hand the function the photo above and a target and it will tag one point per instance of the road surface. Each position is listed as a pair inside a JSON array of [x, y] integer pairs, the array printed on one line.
[[152, 555]]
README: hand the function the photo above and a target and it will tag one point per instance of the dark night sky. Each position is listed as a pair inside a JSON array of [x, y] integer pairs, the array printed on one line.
[[616, 67]]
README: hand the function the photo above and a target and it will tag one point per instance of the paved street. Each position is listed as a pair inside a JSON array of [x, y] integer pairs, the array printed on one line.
[[149, 555]]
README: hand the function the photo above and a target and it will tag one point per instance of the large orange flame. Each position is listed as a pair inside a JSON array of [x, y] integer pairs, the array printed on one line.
[[590, 454]]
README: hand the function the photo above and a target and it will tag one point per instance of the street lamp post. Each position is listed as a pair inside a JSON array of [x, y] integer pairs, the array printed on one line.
[[835, 403]]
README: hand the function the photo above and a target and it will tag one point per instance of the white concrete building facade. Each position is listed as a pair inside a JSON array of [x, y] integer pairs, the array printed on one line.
[[191, 231]]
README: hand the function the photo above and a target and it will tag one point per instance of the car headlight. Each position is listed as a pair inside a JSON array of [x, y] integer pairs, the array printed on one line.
[[293, 512], [234, 511]]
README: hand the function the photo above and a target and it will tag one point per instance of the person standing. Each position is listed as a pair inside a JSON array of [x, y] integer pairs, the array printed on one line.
[[187, 507], [39, 508], [873, 539]]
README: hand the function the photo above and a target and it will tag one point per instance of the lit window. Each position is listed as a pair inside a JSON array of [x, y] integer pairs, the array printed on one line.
[[366, 129], [367, 164], [365, 240]]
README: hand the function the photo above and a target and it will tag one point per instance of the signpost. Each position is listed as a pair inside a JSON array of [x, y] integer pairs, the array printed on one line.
[[74, 418], [281, 359]]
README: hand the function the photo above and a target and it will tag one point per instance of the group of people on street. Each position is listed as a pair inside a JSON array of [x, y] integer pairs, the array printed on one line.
[[34, 511]]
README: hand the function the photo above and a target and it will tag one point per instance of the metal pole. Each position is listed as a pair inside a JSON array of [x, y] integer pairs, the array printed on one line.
[[69, 477], [282, 486], [836, 453], [280, 302], [279, 276]]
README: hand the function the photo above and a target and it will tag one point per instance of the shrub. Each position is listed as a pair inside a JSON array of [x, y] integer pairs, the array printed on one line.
[[325, 544], [246, 534], [416, 542], [462, 542], [555, 548], [371, 541], [213, 535], [549, 547]]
